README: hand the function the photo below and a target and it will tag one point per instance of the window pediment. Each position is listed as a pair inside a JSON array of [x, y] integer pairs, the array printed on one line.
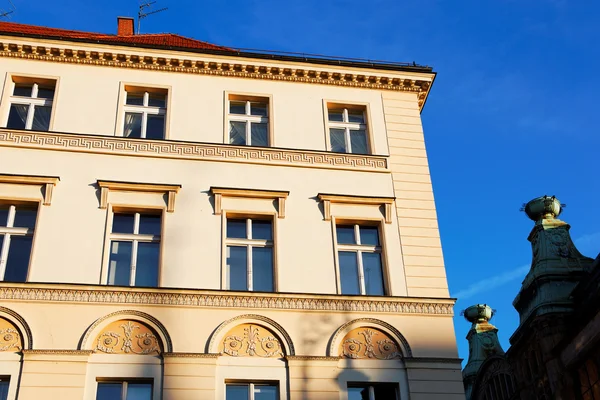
[[107, 186], [328, 199], [47, 182]]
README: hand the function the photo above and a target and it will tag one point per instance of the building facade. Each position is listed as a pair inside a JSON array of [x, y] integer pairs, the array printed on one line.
[[180, 220], [555, 351]]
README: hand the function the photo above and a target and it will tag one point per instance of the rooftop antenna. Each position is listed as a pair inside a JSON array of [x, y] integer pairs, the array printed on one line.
[[143, 14], [6, 14]]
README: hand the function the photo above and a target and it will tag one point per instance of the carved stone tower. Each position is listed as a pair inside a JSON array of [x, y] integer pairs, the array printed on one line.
[[544, 302], [483, 342]]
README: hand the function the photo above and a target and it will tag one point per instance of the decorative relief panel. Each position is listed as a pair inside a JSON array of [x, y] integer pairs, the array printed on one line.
[[10, 338], [369, 343], [250, 340], [127, 337]]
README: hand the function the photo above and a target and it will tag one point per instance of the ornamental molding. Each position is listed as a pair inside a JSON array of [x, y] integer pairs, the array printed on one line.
[[312, 358], [10, 338], [383, 327], [163, 340], [205, 299], [169, 190], [369, 343], [251, 340], [115, 145], [244, 69], [127, 337], [17, 321], [47, 182], [59, 352], [192, 355]]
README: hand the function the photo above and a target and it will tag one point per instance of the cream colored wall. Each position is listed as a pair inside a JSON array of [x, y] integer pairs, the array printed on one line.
[[84, 105], [415, 206]]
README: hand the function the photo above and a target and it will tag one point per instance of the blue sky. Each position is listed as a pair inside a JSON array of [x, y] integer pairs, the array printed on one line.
[[512, 114]]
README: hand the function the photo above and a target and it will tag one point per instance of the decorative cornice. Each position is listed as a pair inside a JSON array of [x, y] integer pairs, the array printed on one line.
[[114, 145], [312, 358], [220, 192], [59, 352], [192, 355], [169, 190], [328, 198], [243, 69], [47, 181], [213, 299]]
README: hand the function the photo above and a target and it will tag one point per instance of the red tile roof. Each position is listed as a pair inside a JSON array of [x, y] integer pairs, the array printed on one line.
[[158, 39]]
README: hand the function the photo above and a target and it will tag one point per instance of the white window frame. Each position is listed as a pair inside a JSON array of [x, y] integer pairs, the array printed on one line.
[[145, 110], [135, 238], [359, 249], [248, 119], [347, 127], [8, 231], [251, 387], [125, 384], [250, 243], [31, 102], [371, 389]]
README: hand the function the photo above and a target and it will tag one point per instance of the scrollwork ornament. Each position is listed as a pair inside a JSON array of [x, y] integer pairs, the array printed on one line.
[[249, 340], [129, 341], [10, 340], [369, 343]]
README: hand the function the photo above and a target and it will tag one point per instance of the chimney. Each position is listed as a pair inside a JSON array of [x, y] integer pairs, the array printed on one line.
[[124, 26]]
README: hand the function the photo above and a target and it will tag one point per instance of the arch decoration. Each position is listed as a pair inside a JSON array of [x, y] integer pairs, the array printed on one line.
[[127, 332], [15, 334], [370, 339], [251, 336]]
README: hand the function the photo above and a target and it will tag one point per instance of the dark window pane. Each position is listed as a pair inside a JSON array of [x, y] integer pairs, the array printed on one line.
[[109, 391], [150, 224], [262, 230], [386, 391], [146, 271], [133, 125], [237, 274], [348, 272], [369, 235], [259, 134], [237, 107], [259, 109], [123, 223], [23, 89], [119, 264], [237, 392], [45, 93], [17, 116], [135, 99], [345, 234], [236, 228], [336, 115], [4, 383], [358, 393], [262, 269], [373, 274], [139, 391], [265, 392], [17, 264], [41, 118], [155, 127], [157, 100], [338, 141], [356, 116], [358, 141], [4, 214], [237, 133], [25, 217]]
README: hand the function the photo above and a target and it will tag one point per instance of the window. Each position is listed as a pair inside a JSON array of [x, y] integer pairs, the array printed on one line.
[[251, 391], [588, 377], [134, 249], [31, 104], [17, 223], [359, 256], [347, 129], [145, 113], [248, 121], [4, 384], [372, 391], [124, 390], [250, 255]]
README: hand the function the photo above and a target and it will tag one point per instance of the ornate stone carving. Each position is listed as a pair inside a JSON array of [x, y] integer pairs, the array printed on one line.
[[102, 294], [10, 338], [369, 343], [247, 71], [191, 151], [127, 337], [250, 340]]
